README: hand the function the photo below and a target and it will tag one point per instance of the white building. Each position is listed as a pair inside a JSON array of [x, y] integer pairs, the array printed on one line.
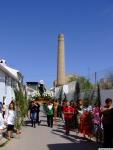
[[9, 79]]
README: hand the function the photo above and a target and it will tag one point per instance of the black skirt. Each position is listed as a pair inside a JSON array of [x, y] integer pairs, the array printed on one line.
[[10, 127]]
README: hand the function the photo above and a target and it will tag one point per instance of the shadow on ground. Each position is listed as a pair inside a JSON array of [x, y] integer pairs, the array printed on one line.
[[44, 125], [74, 146], [27, 123], [43, 120], [78, 143], [71, 138], [44, 116]]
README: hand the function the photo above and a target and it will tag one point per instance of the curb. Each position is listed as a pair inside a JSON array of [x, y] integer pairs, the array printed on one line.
[[3, 142]]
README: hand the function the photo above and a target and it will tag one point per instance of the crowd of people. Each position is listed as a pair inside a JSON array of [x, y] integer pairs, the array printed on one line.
[[90, 121]]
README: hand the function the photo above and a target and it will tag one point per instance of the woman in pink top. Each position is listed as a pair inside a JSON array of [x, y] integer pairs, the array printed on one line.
[[97, 124], [96, 115]]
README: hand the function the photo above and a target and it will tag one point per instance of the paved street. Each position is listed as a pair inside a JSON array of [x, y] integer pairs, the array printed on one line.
[[44, 138]]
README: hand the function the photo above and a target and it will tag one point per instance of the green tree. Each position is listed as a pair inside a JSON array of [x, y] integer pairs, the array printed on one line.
[[86, 99], [21, 106], [98, 100], [85, 84], [61, 94], [72, 78], [77, 92]]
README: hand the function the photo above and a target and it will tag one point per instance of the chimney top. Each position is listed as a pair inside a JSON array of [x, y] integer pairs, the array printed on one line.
[[61, 35]]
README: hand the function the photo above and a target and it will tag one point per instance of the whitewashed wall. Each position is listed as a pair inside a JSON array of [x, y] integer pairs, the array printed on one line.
[[108, 93], [69, 92], [5, 88], [2, 85]]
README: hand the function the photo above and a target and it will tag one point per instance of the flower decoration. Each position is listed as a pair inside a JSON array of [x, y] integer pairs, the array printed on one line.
[[46, 95]]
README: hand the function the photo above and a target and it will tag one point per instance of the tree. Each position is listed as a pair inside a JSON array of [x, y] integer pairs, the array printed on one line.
[[61, 94], [21, 106], [65, 97], [72, 78], [77, 92], [86, 99], [98, 100], [85, 83], [92, 97]]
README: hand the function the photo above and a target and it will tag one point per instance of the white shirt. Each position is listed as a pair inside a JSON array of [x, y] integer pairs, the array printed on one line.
[[11, 117], [50, 107], [1, 121]]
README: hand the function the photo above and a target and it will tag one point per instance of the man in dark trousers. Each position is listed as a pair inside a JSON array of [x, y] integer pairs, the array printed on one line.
[[38, 111], [33, 114]]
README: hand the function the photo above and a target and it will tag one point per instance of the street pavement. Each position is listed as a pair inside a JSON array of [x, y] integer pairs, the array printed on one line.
[[45, 138]]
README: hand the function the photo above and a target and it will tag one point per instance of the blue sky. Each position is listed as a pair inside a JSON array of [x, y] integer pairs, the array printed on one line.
[[29, 30]]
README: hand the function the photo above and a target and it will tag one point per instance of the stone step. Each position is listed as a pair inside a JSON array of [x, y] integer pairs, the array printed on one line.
[[3, 141]]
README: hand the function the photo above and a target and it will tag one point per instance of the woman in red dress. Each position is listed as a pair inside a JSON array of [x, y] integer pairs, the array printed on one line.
[[68, 116], [86, 123]]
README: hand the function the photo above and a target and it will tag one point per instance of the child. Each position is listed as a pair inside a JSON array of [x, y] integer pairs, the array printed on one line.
[[10, 119]]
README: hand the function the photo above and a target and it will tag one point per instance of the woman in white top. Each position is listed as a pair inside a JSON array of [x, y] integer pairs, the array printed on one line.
[[10, 119]]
